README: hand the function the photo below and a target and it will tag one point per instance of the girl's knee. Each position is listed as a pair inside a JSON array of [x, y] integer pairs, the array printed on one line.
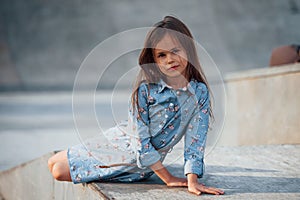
[[57, 158], [60, 172], [50, 164]]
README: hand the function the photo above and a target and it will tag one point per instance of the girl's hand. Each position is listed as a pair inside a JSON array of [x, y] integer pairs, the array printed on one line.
[[197, 188], [167, 177], [177, 182]]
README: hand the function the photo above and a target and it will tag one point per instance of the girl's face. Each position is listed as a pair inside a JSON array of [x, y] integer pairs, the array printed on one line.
[[170, 57]]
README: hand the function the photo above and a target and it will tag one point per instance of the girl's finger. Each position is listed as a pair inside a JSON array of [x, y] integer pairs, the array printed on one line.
[[178, 184], [185, 184], [209, 190], [197, 192], [218, 190]]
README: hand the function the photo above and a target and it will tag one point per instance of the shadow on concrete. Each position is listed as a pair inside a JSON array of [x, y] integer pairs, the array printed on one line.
[[254, 184], [224, 169], [248, 180]]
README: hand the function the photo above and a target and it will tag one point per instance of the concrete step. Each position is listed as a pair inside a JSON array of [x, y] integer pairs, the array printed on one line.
[[249, 172]]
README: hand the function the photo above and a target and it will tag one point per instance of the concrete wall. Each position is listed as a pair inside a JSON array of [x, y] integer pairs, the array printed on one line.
[[263, 107], [32, 181]]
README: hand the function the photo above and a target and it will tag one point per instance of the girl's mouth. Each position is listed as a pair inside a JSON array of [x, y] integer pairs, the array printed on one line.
[[174, 67]]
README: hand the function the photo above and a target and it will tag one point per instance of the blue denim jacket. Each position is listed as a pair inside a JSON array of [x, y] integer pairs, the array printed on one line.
[[165, 115]]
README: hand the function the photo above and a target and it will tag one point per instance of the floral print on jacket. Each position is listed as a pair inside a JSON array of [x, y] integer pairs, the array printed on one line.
[[163, 116]]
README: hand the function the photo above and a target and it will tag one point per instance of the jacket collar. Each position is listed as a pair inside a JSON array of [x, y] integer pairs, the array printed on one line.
[[191, 86]]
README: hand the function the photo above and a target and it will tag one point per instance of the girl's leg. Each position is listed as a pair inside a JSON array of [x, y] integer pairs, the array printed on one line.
[[59, 166]]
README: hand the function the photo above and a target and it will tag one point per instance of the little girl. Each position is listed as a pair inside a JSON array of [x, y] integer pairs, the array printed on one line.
[[170, 100]]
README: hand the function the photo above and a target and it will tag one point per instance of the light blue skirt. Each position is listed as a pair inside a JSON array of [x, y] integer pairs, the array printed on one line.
[[111, 158]]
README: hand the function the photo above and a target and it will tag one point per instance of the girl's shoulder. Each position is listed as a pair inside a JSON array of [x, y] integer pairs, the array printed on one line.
[[146, 89], [199, 86], [200, 90], [148, 86]]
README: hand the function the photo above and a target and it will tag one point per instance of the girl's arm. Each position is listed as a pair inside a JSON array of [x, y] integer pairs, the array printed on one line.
[[191, 182], [195, 139], [146, 155], [167, 177]]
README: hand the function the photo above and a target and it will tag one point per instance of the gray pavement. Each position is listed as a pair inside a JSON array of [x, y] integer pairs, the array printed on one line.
[[252, 172]]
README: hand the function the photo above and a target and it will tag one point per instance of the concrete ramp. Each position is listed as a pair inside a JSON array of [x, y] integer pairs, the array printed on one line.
[[32, 180], [253, 172]]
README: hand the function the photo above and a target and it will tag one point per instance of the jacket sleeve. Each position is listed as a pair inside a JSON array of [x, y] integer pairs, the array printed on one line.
[[195, 137], [145, 152]]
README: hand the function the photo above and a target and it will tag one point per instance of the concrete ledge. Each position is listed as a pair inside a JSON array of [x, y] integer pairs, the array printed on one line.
[[249, 172], [33, 181], [262, 72], [263, 107]]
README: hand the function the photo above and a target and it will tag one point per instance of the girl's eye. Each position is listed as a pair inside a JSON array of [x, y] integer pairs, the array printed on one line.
[[161, 55], [176, 50]]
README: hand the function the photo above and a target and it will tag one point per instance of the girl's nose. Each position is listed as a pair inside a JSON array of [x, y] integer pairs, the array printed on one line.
[[170, 58]]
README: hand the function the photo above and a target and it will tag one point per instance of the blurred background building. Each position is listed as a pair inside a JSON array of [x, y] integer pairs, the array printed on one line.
[[43, 43]]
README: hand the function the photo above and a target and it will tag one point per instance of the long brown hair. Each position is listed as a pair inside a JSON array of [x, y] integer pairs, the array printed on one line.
[[150, 72]]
